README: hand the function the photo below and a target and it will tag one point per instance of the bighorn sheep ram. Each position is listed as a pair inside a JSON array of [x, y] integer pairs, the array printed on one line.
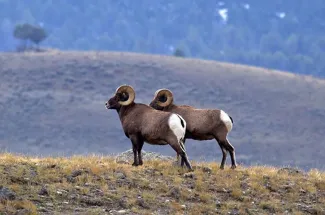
[[142, 123], [202, 124]]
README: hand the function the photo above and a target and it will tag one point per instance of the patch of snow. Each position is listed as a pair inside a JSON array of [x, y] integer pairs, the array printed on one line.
[[281, 14], [224, 14], [247, 6]]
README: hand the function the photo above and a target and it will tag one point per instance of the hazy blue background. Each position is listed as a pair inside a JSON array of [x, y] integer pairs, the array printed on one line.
[[280, 34]]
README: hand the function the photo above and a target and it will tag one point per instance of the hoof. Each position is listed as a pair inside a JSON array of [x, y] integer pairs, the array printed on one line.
[[222, 167], [135, 164], [140, 163], [233, 166]]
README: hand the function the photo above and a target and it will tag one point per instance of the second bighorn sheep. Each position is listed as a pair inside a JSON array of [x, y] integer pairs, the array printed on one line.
[[142, 123], [201, 124]]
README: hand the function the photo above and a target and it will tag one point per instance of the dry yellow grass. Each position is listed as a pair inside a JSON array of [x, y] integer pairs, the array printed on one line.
[[99, 185]]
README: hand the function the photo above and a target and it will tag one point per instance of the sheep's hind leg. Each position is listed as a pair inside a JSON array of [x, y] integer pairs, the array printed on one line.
[[179, 148], [183, 147], [231, 150], [182, 160], [224, 153]]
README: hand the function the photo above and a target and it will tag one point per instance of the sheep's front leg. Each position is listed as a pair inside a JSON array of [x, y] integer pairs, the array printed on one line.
[[141, 142], [135, 150]]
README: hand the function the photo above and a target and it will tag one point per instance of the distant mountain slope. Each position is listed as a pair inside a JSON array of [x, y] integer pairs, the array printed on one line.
[[53, 103]]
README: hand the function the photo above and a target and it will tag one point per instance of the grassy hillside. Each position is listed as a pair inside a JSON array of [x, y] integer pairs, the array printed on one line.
[[99, 185], [52, 103]]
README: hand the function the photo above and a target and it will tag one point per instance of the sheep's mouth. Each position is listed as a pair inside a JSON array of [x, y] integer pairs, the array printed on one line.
[[108, 107]]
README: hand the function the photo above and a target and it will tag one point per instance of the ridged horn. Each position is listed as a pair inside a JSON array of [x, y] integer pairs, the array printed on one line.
[[129, 91], [164, 92]]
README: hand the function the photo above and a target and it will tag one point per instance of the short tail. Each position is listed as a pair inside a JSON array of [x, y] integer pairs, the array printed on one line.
[[183, 122], [232, 121]]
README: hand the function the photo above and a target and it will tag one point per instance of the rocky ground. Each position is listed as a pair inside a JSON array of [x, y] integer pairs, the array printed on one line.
[[110, 185]]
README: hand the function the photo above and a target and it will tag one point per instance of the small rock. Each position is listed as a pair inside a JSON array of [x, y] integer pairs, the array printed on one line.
[[207, 169], [225, 190], [118, 212], [189, 175], [74, 196], [142, 203], [22, 212], [123, 202], [42, 209], [302, 190], [77, 209], [71, 179], [52, 166], [112, 191], [127, 156], [122, 162], [234, 212], [92, 201], [218, 204], [76, 173], [43, 192], [6, 194], [120, 175], [60, 192], [49, 204], [291, 171], [174, 192], [183, 206]]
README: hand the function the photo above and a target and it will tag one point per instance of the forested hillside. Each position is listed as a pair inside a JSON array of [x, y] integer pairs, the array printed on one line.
[[286, 35]]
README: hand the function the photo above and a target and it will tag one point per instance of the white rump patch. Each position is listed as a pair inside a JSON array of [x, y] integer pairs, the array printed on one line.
[[175, 125], [226, 120]]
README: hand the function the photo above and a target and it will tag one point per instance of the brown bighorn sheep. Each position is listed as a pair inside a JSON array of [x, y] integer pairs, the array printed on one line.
[[142, 123], [202, 124]]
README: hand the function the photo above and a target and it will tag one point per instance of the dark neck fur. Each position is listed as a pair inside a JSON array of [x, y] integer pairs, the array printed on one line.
[[123, 110]]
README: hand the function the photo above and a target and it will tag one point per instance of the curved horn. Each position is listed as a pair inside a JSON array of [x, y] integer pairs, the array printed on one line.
[[164, 92], [128, 90]]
